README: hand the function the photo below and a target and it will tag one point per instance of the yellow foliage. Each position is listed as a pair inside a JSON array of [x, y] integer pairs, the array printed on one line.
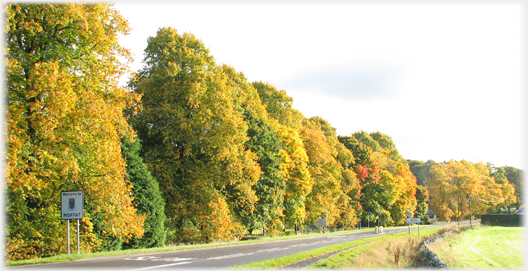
[[451, 184], [64, 124]]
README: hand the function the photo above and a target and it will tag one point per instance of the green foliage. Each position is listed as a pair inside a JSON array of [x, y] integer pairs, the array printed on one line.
[[266, 144], [420, 170], [510, 178], [365, 139], [360, 152], [422, 197], [515, 177], [147, 198]]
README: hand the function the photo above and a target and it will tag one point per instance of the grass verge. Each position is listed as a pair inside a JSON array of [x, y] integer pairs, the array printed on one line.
[[290, 259], [394, 252]]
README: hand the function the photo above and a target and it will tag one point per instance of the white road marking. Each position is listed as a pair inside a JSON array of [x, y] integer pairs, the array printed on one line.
[[230, 256], [149, 258], [300, 245], [173, 259], [165, 265], [337, 236], [273, 249], [156, 258]]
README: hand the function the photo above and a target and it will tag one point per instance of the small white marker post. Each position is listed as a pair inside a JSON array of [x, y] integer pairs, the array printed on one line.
[[72, 203]]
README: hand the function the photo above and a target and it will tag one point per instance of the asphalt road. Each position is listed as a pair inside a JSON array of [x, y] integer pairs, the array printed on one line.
[[216, 257]]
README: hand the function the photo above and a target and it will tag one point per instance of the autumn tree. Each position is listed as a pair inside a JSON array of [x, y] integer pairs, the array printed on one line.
[[452, 183], [326, 173], [404, 182], [367, 171], [193, 134], [264, 141], [348, 202], [279, 105], [385, 177], [64, 124], [297, 177]]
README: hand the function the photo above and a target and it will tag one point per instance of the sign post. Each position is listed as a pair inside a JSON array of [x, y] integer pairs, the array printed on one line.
[[409, 216], [79, 239], [72, 207], [68, 225], [415, 220]]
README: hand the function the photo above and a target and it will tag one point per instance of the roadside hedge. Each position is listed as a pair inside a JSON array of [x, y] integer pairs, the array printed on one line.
[[502, 219]]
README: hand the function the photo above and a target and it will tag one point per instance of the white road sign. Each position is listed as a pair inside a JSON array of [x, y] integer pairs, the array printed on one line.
[[321, 223], [72, 203], [415, 220]]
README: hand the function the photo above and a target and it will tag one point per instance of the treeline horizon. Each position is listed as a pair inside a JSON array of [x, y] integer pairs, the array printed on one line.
[[190, 151]]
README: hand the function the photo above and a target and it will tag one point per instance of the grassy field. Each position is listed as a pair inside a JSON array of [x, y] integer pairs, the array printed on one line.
[[478, 248], [483, 248]]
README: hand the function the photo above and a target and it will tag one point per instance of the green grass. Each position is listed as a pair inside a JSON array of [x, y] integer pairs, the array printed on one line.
[[483, 248]]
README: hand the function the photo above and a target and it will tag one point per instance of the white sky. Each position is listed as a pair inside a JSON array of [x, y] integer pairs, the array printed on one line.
[[445, 81]]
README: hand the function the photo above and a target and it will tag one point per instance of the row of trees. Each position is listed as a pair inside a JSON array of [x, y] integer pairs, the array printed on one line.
[[232, 156], [452, 184], [190, 151]]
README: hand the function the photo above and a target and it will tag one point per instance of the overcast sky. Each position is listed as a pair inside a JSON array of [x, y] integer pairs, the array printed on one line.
[[445, 81]]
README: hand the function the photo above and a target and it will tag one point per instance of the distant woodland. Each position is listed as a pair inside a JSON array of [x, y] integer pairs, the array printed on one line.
[[190, 151]]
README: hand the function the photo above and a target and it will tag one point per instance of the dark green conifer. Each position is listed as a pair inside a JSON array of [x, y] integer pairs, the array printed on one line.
[[147, 197]]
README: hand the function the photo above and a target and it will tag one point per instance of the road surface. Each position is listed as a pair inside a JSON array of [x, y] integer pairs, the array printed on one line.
[[215, 257]]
